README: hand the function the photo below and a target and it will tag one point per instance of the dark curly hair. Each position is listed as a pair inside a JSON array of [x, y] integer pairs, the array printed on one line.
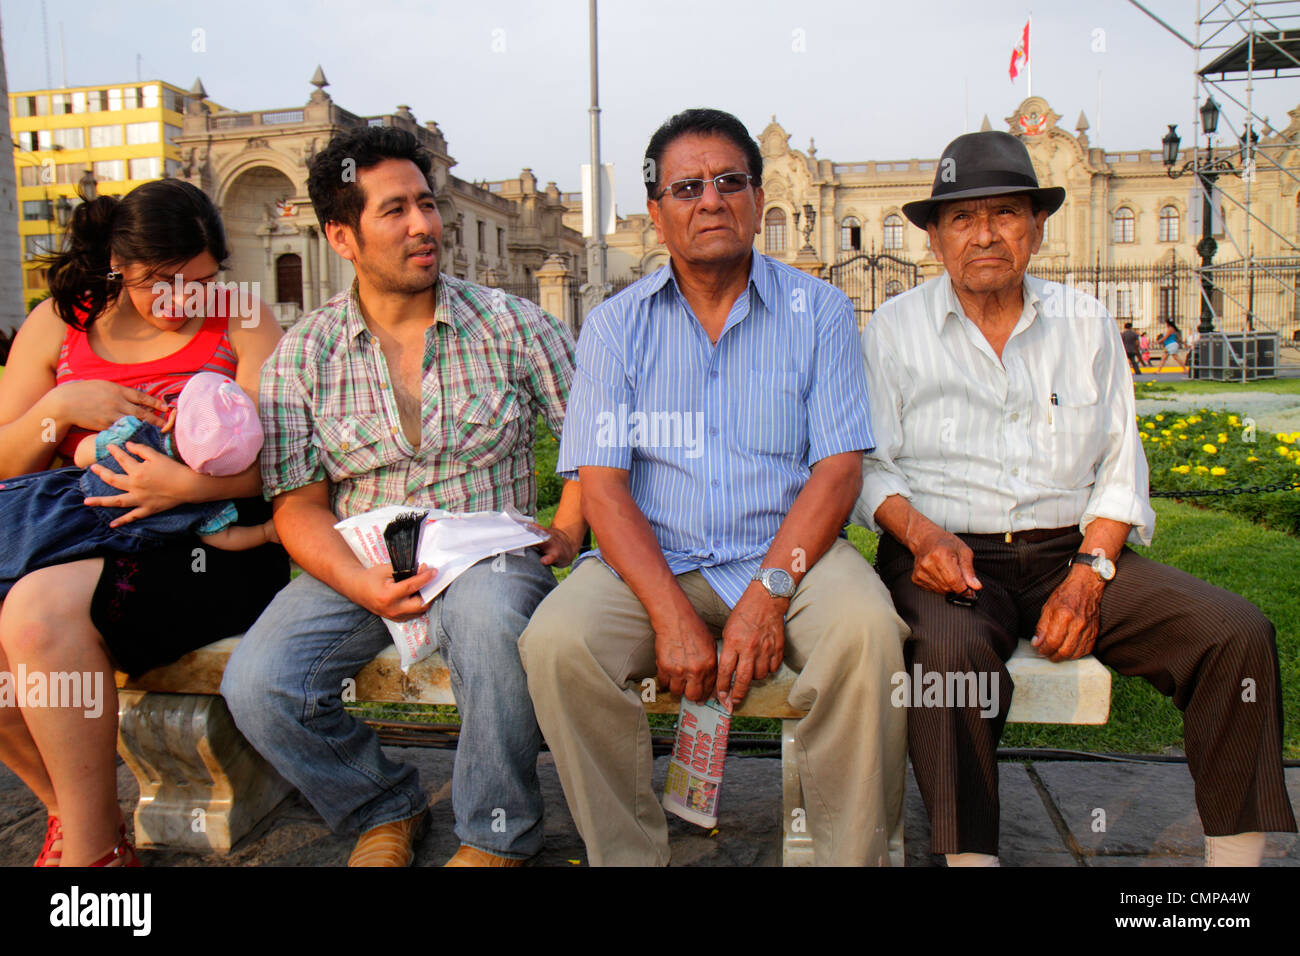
[[163, 223], [332, 183]]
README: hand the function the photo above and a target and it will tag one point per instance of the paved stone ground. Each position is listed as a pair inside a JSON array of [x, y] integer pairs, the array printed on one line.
[[1049, 818]]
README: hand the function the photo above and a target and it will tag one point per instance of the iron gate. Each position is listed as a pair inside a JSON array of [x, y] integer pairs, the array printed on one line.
[[868, 279]]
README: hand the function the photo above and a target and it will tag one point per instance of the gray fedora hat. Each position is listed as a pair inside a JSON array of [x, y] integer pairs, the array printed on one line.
[[989, 163]]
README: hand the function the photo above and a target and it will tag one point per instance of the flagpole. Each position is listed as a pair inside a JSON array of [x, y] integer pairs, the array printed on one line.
[[1029, 64]]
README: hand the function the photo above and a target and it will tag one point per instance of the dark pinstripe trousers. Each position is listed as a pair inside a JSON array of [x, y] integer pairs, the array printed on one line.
[[1202, 646]]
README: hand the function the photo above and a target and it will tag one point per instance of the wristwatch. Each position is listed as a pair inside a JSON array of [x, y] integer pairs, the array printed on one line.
[[778, 581], [1103, 565]]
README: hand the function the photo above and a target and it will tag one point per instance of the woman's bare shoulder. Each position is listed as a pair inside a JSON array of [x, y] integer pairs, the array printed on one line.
[[40, 337]]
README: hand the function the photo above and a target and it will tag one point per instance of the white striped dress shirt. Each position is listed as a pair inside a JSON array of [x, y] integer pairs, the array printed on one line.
[[718, 439], [1045, 438]]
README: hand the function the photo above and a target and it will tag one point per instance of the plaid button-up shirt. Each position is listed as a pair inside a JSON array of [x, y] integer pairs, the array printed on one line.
[[491, 361]]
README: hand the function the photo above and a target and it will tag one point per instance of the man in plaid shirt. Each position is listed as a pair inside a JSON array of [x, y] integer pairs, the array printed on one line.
[[411, 388]]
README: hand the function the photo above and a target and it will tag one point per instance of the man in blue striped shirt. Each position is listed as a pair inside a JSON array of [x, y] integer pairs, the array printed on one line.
[[717, 422]]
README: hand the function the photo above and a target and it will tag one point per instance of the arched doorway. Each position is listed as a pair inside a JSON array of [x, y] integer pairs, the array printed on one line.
[[249, 212]]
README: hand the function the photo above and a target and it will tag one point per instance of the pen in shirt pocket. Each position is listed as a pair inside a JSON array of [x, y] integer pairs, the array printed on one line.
[[1050, 415]]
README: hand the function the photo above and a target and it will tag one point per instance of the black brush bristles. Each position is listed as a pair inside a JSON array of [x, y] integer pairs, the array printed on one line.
[[403, 539]]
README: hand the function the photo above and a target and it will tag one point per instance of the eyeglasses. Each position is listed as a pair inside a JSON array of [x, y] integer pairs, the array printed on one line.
[[688, 189]]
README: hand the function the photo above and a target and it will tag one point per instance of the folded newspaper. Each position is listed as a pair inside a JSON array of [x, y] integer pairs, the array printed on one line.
[[450, 543], [694, 781]]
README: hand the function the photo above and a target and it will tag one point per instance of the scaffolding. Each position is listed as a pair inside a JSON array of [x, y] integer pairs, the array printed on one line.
[[1238, 44]]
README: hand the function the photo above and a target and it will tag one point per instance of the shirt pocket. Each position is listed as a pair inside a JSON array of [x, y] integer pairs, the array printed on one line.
[[488, 426], [1076, 422], [349, 447], [771, 418]]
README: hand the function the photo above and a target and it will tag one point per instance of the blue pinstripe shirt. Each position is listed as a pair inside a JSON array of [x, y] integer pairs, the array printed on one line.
[[718, 439]]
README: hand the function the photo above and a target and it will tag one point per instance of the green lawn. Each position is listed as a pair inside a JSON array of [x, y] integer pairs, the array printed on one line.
[[1288, 386]]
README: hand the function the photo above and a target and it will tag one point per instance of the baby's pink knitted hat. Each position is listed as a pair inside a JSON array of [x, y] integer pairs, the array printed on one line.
[[217, 431]]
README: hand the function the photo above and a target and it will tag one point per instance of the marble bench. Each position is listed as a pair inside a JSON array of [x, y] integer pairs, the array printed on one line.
[[203, 787]]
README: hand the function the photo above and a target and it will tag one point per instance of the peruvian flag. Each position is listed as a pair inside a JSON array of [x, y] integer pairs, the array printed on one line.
[[1020, 55]]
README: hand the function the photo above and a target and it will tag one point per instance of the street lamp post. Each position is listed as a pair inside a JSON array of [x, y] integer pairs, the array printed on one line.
[[1208, 172]]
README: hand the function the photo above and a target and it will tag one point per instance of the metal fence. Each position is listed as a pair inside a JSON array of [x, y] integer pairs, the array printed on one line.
[[1257, 297]]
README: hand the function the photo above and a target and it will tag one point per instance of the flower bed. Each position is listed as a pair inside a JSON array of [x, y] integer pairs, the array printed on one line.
[[1209, 449]]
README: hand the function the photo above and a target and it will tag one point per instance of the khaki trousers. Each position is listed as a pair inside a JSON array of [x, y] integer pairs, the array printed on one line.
[[589, 644]]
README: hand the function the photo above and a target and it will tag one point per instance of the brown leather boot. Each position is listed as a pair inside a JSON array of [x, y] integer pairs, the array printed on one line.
[[390, 844], [469, 856]]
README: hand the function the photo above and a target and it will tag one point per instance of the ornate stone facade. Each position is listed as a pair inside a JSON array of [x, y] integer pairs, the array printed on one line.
[[255, 165], [1121, 207]]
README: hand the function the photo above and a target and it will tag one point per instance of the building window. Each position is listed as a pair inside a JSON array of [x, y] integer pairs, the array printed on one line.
[[171, 133], [774, 231], [1123, 225], [850, 234], [61, 104], [146, 168], [37, 209], [79, 102], [102, 136], [482, 236], [27, 141], [501, 243], [97, 101], [171, 167], [173, 101], [30, 175], [1169, 224], [41, 245], [110, 170], [149, 96], [138, 133], [69, 173], [893, 232], [114, 100], [1123, 302]]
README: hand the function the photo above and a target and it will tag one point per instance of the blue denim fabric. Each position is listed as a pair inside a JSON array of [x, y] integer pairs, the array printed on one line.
[[43, 521], [284, 682]]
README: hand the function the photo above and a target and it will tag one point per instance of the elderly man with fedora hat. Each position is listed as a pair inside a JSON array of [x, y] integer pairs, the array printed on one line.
[[1007, 477]]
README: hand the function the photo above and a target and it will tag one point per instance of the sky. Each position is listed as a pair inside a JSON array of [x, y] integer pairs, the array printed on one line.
[[507, 80]]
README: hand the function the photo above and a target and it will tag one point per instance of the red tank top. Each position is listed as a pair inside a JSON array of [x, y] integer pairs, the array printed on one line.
[[208, 350]]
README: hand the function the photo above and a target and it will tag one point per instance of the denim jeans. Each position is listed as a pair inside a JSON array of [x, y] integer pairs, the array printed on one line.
[[283, 685]]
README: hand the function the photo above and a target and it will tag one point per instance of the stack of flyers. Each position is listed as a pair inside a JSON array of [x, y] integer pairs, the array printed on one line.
[[695, 771]]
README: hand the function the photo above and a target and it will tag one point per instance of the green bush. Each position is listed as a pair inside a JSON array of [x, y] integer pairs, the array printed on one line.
[[545, 451], [1209, 449]]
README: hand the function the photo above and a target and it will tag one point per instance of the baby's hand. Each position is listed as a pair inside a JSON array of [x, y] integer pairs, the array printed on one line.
[[171, 421], [271, 536]]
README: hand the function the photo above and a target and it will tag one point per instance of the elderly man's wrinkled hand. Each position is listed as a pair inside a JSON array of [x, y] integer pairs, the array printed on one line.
[[1067, 628], [944, 563]]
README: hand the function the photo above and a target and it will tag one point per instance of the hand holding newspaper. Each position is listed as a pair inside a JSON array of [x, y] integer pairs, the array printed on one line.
[[450, 543], [694, 781]]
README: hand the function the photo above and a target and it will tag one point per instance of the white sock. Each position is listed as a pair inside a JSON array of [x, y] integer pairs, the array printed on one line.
[[971, 859], [1240, 849]]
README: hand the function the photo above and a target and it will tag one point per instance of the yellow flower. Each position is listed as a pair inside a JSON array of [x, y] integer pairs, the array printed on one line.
[[1150, 425], [1193, 420], [1142, 435], [1232, 420], [1293, 438], [1202, 470], [1160, 418], [1252, 458], [1181, 469], [1166, 432], [1209, 449], [1223, 438], [1218, 470], [1281, 450]]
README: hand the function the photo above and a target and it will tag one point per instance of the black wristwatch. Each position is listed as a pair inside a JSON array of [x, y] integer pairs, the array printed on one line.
[[1103, 565]]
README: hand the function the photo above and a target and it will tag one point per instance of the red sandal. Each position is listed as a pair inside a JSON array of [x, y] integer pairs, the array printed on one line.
[[124, 851], [53, 833]]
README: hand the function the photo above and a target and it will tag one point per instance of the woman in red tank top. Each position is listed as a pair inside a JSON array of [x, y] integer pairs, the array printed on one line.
[[106, 344]]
